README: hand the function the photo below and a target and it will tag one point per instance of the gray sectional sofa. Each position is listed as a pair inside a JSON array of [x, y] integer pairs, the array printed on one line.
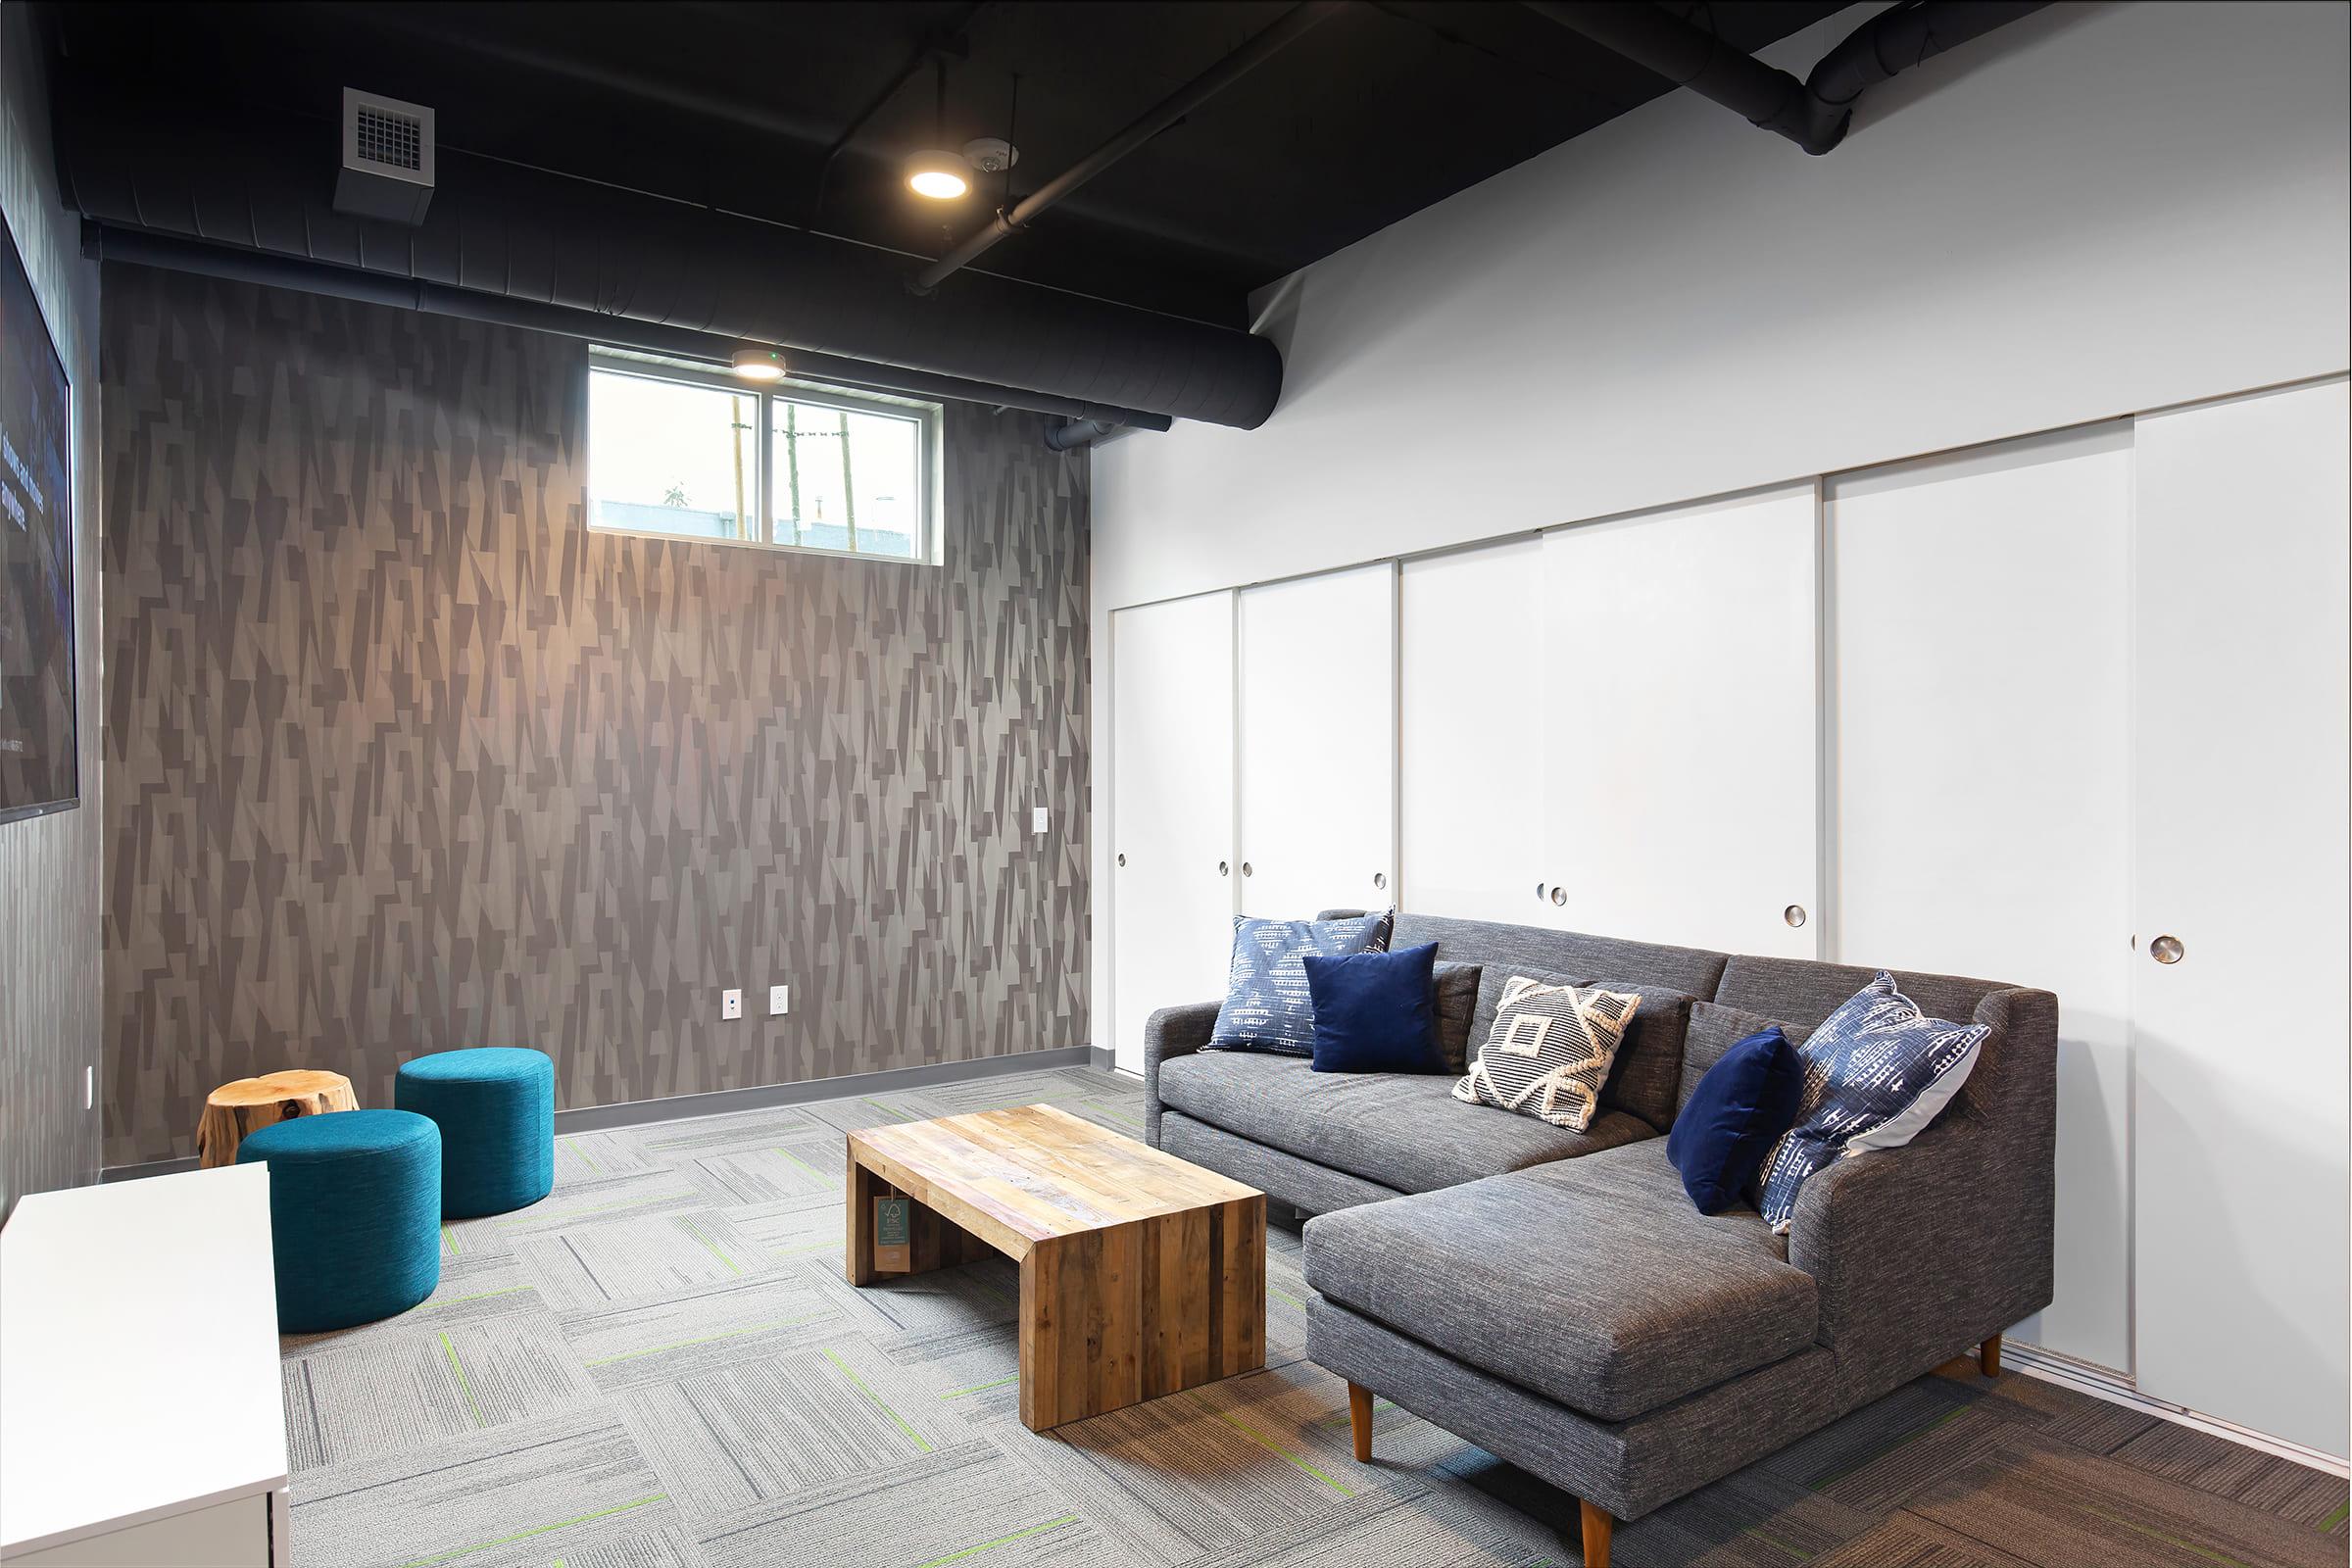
[[1555, 1298]]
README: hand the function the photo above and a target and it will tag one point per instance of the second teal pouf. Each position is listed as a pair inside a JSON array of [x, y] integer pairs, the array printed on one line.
[[496, 1109], [355, 1215]]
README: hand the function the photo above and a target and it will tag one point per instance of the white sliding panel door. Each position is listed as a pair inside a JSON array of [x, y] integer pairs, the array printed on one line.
[[1978, 699], [1470, 763], [1318, 728], [1677, 709], [2239, 804], [1171, 723]]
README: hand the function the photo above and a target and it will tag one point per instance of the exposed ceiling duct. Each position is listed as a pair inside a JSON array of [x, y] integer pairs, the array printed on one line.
[[100, 242], [1814, 113], [508, 232]]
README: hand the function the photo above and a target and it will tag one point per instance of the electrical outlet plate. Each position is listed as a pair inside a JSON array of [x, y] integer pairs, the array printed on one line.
[[779, 1001], [1036, 819], [730, 1003]]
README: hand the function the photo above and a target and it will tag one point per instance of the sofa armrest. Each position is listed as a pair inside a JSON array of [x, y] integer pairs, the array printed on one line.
[[1922, 1251], [1171, 1032]]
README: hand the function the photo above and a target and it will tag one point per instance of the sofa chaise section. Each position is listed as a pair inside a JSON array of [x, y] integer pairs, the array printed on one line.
[[1562, 1303]]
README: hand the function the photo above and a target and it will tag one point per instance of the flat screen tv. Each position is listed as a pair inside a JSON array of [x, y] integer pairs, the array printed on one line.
[[39, 759]]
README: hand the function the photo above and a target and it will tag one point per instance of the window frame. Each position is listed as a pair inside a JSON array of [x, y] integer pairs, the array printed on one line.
[[927, 418]]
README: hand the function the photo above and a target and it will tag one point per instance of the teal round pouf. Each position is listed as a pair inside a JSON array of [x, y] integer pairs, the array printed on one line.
[[355, 1215], [496, 1107]]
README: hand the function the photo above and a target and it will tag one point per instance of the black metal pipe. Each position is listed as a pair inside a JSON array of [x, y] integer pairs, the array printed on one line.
[[104, 242], [1689, 57], [1894, 41], [1294, 24], [1814, 113], [1078, 433]]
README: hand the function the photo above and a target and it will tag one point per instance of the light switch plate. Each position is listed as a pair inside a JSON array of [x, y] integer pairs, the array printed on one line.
[[730, 1003], [1036, 819], [90, 1088], [779, 1001]]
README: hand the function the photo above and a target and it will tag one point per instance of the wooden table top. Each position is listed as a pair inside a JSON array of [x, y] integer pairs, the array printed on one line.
[[1034, 1173]]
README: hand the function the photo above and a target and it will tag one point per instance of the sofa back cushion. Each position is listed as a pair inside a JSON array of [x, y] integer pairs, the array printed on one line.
[[1713, 1030], [1692, 971], [1802, 990], [1457, 1005], [1799, 991], [1649, 1069]]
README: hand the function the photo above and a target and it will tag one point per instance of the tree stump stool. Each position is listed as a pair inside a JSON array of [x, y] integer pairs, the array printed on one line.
[[232, 1111]]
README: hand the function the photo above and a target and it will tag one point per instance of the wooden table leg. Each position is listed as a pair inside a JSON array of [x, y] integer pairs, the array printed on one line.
[[1597, 1526], [858, 1245]]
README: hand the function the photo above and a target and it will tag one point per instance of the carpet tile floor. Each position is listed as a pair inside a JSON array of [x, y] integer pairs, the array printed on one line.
[[660, 1366]]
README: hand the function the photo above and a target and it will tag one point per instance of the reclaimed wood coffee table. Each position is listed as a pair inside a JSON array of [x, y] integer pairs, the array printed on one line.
[[1141, 1274]]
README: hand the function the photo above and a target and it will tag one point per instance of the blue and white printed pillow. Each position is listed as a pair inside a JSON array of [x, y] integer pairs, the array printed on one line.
[[1268, 1007], [1877, 1071]]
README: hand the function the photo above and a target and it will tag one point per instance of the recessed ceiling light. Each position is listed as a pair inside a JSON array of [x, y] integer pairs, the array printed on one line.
[[941, 176], [759, 365]]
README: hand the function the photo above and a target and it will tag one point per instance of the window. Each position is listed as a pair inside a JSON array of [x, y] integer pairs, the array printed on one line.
[[695, 452]]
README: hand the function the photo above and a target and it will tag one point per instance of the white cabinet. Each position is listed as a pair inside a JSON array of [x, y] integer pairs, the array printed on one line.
[[1978, 783], [1611, 728], [1470, 763], [1318, 743], [142, 1417], [1172, 805], [2238, 806], [1676, 712]]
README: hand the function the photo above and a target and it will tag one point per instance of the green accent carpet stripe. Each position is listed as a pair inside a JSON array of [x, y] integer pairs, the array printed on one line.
[[989, 1545], [535, 1530]]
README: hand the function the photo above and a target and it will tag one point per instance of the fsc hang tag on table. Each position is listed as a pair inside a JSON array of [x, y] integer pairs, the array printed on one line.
[[894, 1224]]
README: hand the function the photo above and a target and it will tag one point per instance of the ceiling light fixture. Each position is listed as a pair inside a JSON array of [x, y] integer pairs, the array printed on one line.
[[935, 173], [939, 175], [759, 365]]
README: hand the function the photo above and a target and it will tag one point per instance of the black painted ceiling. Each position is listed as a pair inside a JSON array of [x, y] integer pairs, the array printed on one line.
[[1392, 106]]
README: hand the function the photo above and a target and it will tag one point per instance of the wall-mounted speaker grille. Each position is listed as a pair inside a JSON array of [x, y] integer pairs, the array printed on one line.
[[394, 140], [387, 168]]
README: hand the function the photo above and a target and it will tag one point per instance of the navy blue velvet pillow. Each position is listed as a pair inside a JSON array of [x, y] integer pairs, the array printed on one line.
[[1740, 1110], [1376, 1012]]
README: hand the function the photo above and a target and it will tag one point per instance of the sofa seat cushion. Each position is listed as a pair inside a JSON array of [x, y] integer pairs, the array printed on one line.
[[1401, 1130], [1592, 1282]]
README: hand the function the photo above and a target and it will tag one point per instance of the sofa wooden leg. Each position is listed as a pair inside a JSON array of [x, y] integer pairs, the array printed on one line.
[[1989, 1357], [1359, 1418], [1597, 1527]]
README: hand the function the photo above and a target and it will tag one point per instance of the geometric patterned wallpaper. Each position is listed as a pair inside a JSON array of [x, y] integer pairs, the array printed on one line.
[[399, 755], [50, 866]]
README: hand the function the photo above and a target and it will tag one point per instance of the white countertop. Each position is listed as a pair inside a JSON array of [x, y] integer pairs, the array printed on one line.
[[138, 1355]]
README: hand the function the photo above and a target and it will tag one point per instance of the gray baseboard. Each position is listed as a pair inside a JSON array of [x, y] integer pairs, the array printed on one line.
[[761, 1096]]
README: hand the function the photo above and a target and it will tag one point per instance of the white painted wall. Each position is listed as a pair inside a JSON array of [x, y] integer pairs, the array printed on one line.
[[2100, 210]]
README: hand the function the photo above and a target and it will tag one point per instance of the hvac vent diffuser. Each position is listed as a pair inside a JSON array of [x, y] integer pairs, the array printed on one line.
[[387, 169]]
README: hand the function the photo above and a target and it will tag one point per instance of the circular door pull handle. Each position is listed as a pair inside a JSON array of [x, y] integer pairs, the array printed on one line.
[[1224, 869], [1380, 879], [1541, 890], [2167, 950], [1122, 860], [1246, 871], [1794, 915], [1559, 895]]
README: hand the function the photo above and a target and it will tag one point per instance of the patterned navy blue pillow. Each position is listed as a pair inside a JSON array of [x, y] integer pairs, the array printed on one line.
[[1268, 1007], [1877, 1071]]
